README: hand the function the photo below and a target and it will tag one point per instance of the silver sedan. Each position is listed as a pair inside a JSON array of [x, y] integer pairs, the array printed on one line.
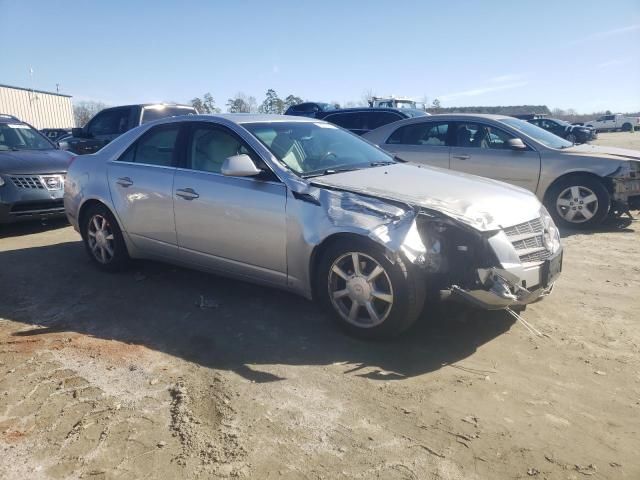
[[303, 205], [580, 184]]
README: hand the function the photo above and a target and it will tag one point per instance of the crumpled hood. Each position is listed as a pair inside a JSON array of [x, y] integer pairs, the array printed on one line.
[[612, 153], [479, 202], [34, 161]]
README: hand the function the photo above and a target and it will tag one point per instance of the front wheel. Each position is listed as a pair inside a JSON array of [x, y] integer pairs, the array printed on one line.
[[103, 239], [578, 202], [367, 294], [571, 138]]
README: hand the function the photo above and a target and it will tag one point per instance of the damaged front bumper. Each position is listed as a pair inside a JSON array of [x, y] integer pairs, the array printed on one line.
[[626, 187], [502, 289], [523, 262]]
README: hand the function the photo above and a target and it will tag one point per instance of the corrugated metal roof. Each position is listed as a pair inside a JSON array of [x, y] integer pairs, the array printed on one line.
[[36, 91]]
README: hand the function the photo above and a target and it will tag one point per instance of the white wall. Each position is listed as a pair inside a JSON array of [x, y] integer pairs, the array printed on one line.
[[40, 109]]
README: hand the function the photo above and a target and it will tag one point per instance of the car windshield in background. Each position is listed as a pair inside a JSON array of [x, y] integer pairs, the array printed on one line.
[[150, 114], [310, 148], [18, 136], [414, 112], [537, 133]]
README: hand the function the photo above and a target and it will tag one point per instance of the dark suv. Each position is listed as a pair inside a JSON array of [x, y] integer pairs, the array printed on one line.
[[32, 173], [113, 122], [365, 119], [571, 133], [55, 134]]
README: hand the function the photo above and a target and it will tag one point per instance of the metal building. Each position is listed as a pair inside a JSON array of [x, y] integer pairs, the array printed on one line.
[[40, 109]]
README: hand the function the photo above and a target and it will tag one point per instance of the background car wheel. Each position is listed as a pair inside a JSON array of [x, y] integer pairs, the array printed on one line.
[[571, 138], [578, 202], [103, 239], [367, 294], [626, 127]]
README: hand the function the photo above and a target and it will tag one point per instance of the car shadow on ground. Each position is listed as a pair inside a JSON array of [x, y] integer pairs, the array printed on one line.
[[28, 228], [610, 225], [217, 322]]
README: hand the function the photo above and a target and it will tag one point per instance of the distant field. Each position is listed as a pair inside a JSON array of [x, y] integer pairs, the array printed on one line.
[[619, 139]]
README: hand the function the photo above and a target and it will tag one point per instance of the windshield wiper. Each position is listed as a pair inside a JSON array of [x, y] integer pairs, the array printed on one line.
[[331, 171], [381, 164]]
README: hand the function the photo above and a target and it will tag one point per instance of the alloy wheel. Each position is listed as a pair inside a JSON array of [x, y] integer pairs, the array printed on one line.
[[101, 239], [577, 204], [360, 290]]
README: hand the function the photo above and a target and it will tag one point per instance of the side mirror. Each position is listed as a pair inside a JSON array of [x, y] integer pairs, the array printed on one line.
[[79, 133], [516, 144], [240, 166]]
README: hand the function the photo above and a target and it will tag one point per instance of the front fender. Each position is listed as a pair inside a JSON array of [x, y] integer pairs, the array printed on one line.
[[324, 213], [554, 168]]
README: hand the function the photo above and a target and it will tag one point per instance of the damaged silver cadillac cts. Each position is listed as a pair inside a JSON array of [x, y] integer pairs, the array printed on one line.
[[300, 204]]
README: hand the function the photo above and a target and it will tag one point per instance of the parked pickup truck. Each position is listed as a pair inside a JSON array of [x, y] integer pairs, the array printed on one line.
[[110, 123], [615, 122]]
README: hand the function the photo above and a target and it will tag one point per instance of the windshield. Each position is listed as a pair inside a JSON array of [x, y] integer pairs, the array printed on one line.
[[405, 104], [310, 148], [544, 137], [18, 136], [154, 113]]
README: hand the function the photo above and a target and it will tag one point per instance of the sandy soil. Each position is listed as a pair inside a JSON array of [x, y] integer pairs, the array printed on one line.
[[619, 139], [166, 373]]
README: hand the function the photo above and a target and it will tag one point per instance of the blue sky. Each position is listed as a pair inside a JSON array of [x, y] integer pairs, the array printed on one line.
[[568, 54]]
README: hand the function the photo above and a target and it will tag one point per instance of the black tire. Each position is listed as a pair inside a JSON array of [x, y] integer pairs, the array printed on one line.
[[407, 286], [119, 258], [584, 183], [571, 138], [627, 127]]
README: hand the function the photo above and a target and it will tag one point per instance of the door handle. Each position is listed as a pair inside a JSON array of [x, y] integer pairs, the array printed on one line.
[[124, 182], [461, 157], [187, 193]]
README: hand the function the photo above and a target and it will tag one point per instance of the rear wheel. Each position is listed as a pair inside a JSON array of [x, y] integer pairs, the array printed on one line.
[[578, 202], [367, 294], [103, 239], [627, 127], [571, 138]]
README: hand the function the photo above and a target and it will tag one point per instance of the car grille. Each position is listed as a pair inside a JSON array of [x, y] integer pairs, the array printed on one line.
[[27, 182], [527, 239], [38, 182], [527, 227]]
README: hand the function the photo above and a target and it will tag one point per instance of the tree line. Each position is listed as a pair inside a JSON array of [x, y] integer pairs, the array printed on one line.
[[242, 103], [274, 104]]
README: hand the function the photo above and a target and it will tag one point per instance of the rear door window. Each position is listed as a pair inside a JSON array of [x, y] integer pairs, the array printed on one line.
[[378, 119], [156, 147], [348, 120]]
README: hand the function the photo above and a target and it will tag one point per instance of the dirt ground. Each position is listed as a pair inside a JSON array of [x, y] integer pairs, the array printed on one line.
[[161, 372], [629, 140]]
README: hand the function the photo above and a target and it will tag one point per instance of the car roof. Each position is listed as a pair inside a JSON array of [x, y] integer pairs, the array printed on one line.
[[467, 116], [4, 118], [238, 118], [369, 109], [151, 105]]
